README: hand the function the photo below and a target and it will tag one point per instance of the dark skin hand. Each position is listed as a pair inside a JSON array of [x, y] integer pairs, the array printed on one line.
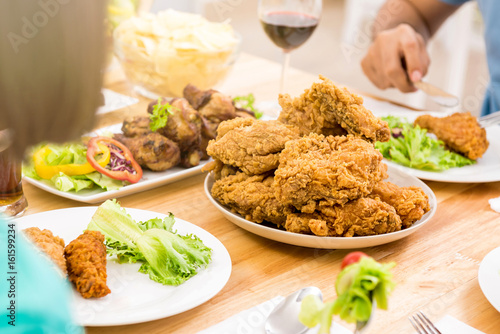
[[398, 55]]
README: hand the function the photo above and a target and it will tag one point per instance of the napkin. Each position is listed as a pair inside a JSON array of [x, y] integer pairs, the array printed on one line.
[[495, 204], [114, 101], [450, 325], [252, 321]]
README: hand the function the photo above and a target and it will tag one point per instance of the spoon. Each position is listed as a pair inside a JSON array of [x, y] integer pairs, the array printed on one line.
[[284, 319], [362, 325]]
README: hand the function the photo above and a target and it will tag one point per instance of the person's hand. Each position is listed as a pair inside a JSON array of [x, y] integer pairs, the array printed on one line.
[[392, 51]]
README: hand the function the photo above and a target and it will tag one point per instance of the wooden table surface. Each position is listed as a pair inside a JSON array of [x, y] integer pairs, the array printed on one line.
[[437, 266]]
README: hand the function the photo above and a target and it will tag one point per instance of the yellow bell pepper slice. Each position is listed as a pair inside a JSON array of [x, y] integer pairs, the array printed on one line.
[[47, 172]]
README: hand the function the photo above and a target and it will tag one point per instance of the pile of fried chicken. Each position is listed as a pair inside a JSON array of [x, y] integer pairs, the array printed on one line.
[[315, 170], [193, 121]]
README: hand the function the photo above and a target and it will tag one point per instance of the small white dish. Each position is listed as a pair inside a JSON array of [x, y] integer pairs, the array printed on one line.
[[489, 277]]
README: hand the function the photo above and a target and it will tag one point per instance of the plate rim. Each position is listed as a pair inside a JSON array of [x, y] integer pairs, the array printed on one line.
[[313, 241], [224, 269], [483, 276]]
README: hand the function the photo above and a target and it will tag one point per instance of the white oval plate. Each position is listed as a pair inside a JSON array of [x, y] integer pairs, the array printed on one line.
[[134, 298], [149, 180], [489, 277], [396, 176]]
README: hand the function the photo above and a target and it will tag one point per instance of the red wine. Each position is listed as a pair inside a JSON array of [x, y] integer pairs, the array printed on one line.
[[288, 30]]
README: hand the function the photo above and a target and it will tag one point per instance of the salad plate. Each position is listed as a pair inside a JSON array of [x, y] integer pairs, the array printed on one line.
[[486, 169], [489, 277], [134, 298], [149, 179], [396, 176]]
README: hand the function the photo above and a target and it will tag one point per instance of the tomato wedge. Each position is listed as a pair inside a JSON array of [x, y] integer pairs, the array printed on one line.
[[129, 170], [351, 258]]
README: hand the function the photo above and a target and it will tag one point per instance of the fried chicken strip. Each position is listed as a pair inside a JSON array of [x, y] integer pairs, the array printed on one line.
[[411, 203], [51, 245], [316, 170], [254, 146], [460, 131], [330, 110], [361, 217], [86, 261], [251, 196]]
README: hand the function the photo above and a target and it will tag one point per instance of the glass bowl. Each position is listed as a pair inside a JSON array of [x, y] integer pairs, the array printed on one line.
[[157, 67]]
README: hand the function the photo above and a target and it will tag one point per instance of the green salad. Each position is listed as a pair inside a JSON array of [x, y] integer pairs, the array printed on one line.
[[66, 166], [411, 146], [166, 256]]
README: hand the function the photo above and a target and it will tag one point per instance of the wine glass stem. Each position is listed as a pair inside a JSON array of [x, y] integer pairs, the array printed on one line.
[[284, 71]]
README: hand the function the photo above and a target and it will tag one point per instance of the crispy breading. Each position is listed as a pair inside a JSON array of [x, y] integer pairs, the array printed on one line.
[[330, 170], [86, 262], [460, 131], [361, 217], [251, 196], [50, 244], [252, 145], [411, 203], [327, 109]]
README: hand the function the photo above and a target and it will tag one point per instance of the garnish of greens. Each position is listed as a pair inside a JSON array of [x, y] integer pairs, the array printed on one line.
[[68, 154], [356, 286], [167, 257], [159, 117], [247, 102], [411, 146]]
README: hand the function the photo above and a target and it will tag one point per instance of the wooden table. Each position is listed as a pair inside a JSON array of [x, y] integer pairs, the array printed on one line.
[[437, 266]]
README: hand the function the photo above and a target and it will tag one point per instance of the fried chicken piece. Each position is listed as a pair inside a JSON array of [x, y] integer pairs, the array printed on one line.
[[152, 150], [136, 126], [251, 196], [329, 110], [460, 131], [329, 170], [411, 203], [219, 169], [51, 245], [361, 217], [86, 261], [254, 146], [184, 128]]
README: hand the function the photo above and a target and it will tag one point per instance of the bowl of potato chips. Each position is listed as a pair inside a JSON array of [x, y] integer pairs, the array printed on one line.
[[161, 53]]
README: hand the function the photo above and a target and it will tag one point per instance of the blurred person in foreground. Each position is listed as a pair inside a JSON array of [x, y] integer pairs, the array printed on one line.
[[401, 32], [51, 55]]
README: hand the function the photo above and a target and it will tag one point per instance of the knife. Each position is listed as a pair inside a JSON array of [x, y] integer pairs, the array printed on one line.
[[437, 94]]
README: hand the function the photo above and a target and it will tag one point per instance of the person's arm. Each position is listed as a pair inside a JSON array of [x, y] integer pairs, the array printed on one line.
[[398, 55]]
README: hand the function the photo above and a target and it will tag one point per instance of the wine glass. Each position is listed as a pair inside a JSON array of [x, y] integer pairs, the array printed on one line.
[[289, 23]]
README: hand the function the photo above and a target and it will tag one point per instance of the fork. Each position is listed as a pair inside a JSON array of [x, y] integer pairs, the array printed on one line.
[[491, 119], [422, 324]]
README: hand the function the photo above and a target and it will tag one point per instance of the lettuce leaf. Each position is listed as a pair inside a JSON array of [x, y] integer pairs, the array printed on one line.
[[356, 285], [167, 257], [412, 147]]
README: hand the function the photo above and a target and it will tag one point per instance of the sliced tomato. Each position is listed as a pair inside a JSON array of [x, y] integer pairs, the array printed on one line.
[[351, 258], [132, 173]]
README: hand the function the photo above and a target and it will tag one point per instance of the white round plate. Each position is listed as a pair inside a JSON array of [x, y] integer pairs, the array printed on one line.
[[486, 169], [395, 176], [134, 298], [489, 277]]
